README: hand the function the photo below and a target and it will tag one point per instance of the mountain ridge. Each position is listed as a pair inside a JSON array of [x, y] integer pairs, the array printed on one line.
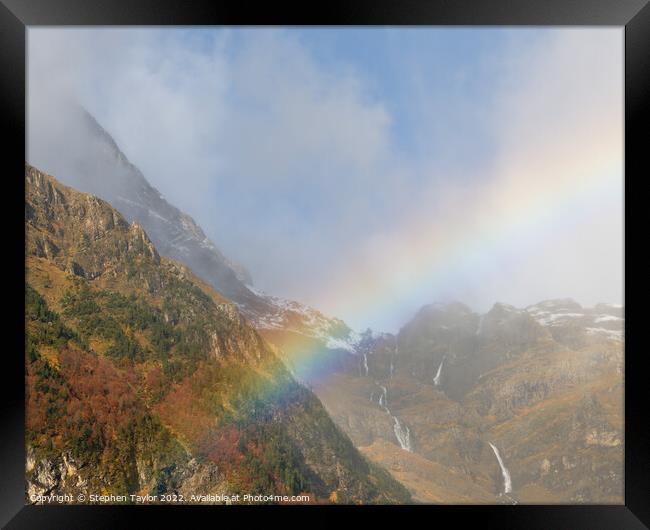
[[93, 162], [140, 381], [465, 386], [541, 388]]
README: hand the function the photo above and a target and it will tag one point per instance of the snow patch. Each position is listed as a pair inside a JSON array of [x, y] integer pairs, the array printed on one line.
[[609, 333], [298, 318], [607, 318], [546, 318]]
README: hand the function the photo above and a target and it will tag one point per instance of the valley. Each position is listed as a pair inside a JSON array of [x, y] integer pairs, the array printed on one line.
[[542, 422], [154, 365]]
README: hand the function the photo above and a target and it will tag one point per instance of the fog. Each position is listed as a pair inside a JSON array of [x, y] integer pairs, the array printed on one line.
[[489, 174]]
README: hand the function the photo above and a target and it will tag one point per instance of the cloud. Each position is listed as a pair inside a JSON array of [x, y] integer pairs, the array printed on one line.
[[307, 173], [160, 101], [267, 150], [544, 220]]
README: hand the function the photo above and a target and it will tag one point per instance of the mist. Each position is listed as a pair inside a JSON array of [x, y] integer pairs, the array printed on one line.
[[484, 172]]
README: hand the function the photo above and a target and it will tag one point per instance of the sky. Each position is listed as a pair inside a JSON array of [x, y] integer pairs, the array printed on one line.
[[370, 171]]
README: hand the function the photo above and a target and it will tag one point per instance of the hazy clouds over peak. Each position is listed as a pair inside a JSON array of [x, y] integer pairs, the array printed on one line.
[[368, 171]]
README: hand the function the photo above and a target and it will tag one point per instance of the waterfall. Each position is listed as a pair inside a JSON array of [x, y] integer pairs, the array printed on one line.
[[403, 435], [436, 379], [365, 362], [479, 330], [507, 483], [402, 432], [382, 399], [395, 352]]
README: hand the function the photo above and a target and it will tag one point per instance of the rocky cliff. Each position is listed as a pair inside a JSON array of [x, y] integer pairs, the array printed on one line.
[[540, 386], [87, 158], [141, 378]]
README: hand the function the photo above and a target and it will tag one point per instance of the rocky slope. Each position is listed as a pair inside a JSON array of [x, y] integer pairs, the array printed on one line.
[[143, 379], [87, 158], [541, 386]]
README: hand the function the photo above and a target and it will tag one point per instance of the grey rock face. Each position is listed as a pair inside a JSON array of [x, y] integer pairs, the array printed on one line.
[[88, 159]]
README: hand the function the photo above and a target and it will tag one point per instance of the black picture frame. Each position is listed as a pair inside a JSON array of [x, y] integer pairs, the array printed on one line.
[[17, 15]]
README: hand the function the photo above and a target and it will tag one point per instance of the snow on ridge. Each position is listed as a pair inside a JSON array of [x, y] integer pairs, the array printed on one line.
[[609, 333], [158, 216], [607, 318], [312, 322], [548, 315], [546, 318], [256, 291], [206, 243], [139, 205], [129, 201], [349, 344]]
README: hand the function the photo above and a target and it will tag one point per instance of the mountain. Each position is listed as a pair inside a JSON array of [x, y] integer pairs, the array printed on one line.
[[83, 155], [452, 405], [538, 390], [142, 379]]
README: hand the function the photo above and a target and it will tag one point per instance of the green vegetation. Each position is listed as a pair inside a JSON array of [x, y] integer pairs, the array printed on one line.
[[269, 434], [271, 461], [82, 307], [86, 407], [264, 432], [46, 327], [138, 371], [174, 336]]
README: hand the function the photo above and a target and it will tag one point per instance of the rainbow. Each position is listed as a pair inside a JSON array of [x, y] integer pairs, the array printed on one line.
[[514, 215]]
